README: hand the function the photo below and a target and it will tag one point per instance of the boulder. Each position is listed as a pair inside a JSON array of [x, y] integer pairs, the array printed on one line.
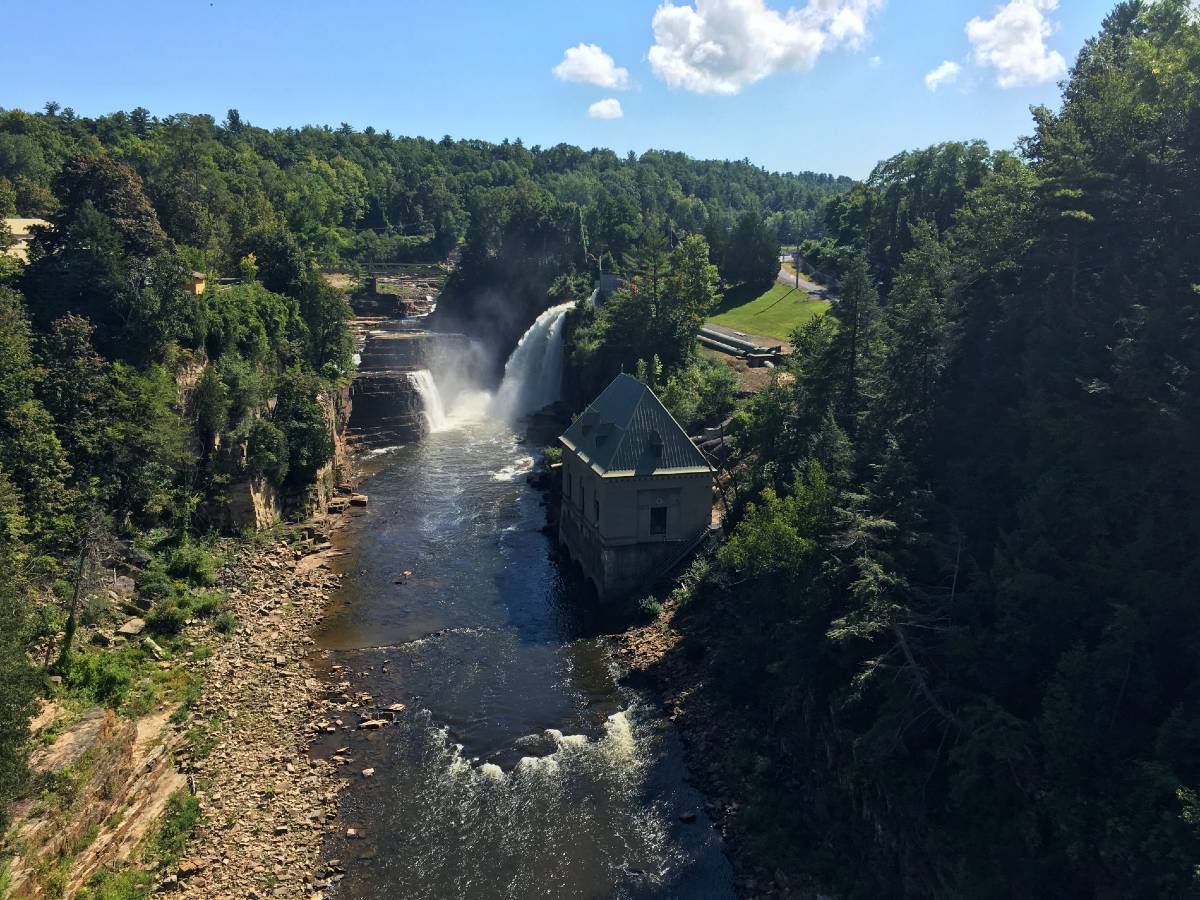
[[358, 500], [132, 627]]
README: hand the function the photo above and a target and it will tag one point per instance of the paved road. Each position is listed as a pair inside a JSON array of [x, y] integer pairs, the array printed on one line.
[[809, 287]]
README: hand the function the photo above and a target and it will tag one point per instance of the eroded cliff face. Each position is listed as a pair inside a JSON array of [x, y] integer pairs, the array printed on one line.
[[337, 405], [99, 786], [253, 504]]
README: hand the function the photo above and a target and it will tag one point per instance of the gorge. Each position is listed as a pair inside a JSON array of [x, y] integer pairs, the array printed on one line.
[[518, 765]]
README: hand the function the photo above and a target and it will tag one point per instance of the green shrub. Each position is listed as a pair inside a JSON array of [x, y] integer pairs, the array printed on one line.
[[167, 618], [206, 604], [155, 584], [96, 608], [226, 623], [179, 819], [105, 677], [650, 606], [127, 884], [267, 453], [192, 563], [552, 456], [160, 852]]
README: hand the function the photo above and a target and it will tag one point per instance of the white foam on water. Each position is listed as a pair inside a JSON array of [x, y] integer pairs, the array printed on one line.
[[379, 451], [514, 470], [459, 765], [618, 742], [567, 740], [537, 765], [491, 772]]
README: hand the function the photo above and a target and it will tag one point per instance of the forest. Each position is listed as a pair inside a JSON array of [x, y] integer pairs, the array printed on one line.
[[956, 597], [959, 600], [130, 405]]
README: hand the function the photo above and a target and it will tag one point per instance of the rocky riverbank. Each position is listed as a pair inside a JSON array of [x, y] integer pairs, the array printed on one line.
[[670, 659], [265, 803]]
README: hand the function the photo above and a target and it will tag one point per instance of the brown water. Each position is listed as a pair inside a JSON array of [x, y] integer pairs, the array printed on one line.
[[519, 768]]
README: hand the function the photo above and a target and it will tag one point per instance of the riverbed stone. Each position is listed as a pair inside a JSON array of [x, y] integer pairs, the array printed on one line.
[[132, 627]]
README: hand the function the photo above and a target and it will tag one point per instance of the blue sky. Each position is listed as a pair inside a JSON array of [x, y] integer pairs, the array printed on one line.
[[834, 85]]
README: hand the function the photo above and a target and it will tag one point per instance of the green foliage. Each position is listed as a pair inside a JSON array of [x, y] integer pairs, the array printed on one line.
[[307, 433], [326, 313], [126, 884], [752, 255], [658, 315], [167, 617], [155, 584], [226, 623], [267, 452], [18, 684], [968, 525], [703, 393], [105, 677], [777, 537], [148, 440], [192, 563], [179, 820], [928, 185], [649, 606], [211, 402]]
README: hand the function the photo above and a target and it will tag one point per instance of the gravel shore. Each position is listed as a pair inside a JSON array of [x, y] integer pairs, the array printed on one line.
[[266, 803]]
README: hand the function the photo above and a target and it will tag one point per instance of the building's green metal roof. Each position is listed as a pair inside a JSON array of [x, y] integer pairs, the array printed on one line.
[[627, 431]]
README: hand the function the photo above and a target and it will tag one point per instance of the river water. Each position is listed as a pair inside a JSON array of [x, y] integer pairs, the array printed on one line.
[[519, 768]]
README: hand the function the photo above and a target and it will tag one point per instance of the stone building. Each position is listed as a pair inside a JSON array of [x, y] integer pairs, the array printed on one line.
[[637, 493], [22, 233]]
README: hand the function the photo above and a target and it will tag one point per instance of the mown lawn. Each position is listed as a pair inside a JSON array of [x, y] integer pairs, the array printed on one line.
[[775, 313]]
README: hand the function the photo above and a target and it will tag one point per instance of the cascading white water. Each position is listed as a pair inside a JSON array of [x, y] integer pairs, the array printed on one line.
[[431, 399], [533, 373]]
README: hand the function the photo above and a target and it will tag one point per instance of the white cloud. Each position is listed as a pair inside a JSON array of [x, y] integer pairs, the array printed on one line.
[[606, 109], [946, 73], [1013, 42], [875, 62], [588, 64], [721, 46]]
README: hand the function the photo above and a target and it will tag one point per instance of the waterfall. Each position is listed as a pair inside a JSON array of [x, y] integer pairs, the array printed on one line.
[[431, 400], [533, 373]]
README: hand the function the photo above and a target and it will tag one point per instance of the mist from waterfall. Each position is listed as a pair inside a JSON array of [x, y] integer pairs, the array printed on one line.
[[533, 374], [431, 399]]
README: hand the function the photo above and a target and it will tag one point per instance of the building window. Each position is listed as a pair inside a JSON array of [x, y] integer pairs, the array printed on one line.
[[658, 520], [596, 506]]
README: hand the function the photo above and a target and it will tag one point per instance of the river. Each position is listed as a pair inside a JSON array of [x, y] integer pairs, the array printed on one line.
[[519, 767]]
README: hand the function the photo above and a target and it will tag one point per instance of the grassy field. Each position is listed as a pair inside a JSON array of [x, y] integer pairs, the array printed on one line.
[[773, 314]]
